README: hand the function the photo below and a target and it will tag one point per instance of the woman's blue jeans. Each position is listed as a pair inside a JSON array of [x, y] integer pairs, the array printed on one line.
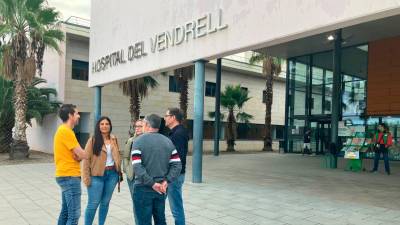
[[99, 193]]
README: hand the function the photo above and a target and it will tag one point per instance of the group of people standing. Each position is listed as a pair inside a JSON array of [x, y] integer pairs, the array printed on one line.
[[154, 166]]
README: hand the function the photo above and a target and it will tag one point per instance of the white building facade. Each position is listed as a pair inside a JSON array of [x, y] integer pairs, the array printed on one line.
[[68, 73]]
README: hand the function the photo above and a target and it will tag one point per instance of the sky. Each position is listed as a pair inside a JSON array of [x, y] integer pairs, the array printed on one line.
[[79, 8]]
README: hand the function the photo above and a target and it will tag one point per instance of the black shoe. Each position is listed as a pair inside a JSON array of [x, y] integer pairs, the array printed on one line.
[[388, 173], [373, 171]]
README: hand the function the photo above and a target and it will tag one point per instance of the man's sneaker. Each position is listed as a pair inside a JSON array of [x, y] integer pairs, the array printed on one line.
[[388, 173], [373, 171]]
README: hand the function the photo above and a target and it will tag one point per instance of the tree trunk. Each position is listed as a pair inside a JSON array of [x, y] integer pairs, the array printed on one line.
[[183, 97], [134, 107], [268, 103], [19, 147], [231, 132]]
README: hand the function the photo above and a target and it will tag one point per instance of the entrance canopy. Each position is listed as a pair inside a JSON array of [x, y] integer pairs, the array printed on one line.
[[353, 35], [134, 38]]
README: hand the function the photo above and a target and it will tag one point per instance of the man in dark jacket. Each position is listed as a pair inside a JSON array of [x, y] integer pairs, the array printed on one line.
[[156, 164], [180, 137]]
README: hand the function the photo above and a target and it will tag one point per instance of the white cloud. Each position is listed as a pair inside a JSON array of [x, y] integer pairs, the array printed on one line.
[[68, 8]]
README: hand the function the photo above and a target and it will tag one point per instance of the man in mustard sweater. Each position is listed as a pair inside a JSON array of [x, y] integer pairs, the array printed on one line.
[[67, 155]]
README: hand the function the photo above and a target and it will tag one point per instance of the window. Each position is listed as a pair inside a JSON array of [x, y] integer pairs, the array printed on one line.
[[80, 70], [279, 131], [174, 85], [210, 89]]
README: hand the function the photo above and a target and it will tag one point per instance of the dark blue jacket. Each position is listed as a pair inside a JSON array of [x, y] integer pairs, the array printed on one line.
[[180, 137]]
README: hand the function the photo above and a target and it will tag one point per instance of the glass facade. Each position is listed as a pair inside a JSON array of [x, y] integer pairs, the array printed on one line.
[[309, 87]]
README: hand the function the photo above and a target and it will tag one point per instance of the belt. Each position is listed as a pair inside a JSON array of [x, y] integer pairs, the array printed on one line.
[[110, 168]]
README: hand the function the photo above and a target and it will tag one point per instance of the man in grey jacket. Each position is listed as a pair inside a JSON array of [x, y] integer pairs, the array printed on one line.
[[156, 163]]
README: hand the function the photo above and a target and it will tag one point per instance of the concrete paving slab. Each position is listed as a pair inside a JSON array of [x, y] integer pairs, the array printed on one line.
[[243, 189]]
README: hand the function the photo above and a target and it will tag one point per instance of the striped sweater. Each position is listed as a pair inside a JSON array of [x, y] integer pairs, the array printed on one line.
[[154, 159]]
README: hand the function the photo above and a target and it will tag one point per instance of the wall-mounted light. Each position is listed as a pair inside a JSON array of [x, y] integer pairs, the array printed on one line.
[[330, 37]]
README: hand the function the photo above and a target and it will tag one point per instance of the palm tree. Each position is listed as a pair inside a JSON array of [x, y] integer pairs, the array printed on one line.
[[271, 67], [182, 76], [27, 27], [233, 99], [136, 90], [39, 104], [6, 115]]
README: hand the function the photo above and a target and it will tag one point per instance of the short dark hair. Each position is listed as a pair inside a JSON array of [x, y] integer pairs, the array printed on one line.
[[177, 113], [385, 126], [65, 110], [153, 120]]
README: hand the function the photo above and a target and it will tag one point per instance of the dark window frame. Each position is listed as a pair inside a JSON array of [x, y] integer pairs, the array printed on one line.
[[173, 85], [79, 70], [210, 89]]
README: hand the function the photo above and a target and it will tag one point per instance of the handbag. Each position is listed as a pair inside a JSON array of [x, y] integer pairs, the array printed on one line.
[[120, 179]]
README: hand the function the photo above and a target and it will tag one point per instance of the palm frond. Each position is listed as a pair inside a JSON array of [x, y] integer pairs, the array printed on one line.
[[52, 43], [31, 20], [38, 80], [48, 91], [186, 73], [244, 117], [33, 114], [212, 115], [34, 5], [233, 98], [54, 34], [256, 58], [4, 29], [48, 16], [140, 86]]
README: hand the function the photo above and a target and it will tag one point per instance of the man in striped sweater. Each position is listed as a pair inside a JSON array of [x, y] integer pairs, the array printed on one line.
[[156, 163]]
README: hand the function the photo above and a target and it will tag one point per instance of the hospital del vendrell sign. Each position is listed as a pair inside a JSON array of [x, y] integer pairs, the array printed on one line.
[[198, 28]]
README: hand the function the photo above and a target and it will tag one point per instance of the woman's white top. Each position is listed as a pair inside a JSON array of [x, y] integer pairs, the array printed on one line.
[[110, 160]]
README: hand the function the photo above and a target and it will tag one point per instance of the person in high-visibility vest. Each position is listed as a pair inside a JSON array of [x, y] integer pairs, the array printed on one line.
[[383, 140]]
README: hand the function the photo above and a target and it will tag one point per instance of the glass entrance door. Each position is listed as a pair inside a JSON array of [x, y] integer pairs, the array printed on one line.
[[320, 136]]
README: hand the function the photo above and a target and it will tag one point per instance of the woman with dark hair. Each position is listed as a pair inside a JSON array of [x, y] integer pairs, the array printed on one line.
[[101, 170], [382, 140]]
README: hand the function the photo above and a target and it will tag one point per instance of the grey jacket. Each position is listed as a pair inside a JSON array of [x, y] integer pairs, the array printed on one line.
[[154, 159], [127, 167]]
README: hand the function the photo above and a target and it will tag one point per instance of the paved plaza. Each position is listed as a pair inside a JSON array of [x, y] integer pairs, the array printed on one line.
[[238, 189]]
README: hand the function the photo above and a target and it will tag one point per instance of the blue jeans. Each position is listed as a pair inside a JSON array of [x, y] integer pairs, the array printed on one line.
[[71, 200], [385, 153], [99, 193], [131, 185], [149, 203], [175, 200]]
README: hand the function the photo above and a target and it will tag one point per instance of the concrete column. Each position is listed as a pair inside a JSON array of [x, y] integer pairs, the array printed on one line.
[[198, 116], [217, 125], [286, 134], [97, 103]]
